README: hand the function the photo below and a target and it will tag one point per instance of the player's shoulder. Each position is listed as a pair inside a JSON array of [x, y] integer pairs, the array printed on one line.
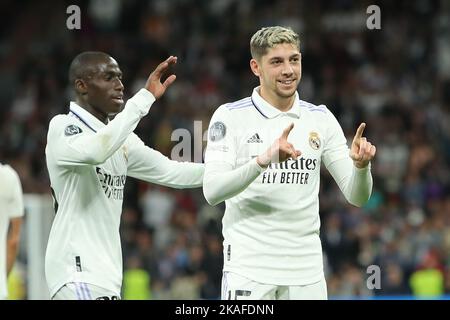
[[59, 120], [65, 122], [320, 111], [237, 106], [8, 174], [310, 107]]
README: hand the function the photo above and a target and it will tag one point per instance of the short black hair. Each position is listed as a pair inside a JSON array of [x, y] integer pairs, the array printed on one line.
[[85, 63]]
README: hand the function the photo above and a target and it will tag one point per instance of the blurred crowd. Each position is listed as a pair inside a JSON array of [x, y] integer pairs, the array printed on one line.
[[396, 79]]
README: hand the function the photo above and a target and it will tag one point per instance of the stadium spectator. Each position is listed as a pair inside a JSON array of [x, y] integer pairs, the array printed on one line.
[[11, 213]]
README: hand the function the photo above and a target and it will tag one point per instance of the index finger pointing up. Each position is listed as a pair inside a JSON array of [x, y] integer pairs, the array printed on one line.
[[287, 131], [360, 131]]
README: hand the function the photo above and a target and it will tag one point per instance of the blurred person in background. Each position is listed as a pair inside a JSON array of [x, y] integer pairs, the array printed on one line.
[[11, 213], [429, 279]]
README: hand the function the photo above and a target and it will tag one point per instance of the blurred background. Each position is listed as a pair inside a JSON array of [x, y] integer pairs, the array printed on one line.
[[396, 79]]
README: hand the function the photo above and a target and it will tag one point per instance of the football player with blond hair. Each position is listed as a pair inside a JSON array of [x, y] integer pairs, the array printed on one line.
[[263, 159]]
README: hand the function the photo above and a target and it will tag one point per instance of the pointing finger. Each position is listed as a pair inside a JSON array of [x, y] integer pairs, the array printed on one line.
[[360, 131], [287, 131], [362, 147]]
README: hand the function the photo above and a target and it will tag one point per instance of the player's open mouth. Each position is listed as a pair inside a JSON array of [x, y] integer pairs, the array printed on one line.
[[287, 82], [118, 99]]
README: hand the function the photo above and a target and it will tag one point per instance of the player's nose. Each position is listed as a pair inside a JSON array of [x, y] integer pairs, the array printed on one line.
[[287, 69], [119, 85]]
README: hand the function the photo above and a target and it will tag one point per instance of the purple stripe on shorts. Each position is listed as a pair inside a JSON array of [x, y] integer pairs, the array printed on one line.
[[87, 291], [78, 291]]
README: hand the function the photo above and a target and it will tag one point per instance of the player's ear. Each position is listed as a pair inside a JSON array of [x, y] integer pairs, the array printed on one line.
[[255, 67], [80, 86]]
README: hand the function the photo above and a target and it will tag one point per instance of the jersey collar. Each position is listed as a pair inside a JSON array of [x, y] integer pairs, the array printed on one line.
[[86, 117], [269, 111]]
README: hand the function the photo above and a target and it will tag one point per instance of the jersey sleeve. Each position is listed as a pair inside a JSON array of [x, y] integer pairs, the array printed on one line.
[[222, 179], [355, 184], [222, 182], [14, 205], [147, 164], [69, 145], [335, 147], [221, 145]]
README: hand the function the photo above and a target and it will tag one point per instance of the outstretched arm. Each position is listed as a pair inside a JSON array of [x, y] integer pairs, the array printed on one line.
[[147, 164], [222, 182], [79, 148]]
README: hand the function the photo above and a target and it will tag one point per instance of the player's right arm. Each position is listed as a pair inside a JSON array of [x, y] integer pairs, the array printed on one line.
[[70, 145], [222, 180], [78, 147]]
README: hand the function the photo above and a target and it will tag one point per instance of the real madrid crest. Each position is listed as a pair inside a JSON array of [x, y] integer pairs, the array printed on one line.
[[314, 140]]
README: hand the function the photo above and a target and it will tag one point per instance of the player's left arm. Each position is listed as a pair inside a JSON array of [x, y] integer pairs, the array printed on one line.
[[150, 165], [12, 246], [15, 210], [350, 168]]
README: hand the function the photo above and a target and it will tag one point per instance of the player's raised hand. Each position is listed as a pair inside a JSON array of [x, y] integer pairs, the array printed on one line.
[[361, 151], [280, 150], [154, 84]]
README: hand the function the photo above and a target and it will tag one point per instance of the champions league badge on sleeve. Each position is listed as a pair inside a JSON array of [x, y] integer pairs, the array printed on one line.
[[72, 130], [217, 131]]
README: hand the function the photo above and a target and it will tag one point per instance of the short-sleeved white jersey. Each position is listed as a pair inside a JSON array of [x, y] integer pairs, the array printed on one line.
[[88, 163], [11, 206], [271, 229]]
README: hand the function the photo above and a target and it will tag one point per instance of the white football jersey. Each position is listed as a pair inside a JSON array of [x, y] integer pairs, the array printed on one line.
[[88, 163], [11, 206], [271, 228]]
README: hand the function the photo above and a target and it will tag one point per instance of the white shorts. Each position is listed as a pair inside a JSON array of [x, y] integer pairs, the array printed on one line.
[[83, 291], [236, 287]]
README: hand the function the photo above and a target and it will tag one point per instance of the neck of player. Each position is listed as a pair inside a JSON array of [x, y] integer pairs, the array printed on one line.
[[96, 112], [281, 103]]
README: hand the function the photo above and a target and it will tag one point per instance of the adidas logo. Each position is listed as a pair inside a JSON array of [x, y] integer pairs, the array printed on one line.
[[254, 139]]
